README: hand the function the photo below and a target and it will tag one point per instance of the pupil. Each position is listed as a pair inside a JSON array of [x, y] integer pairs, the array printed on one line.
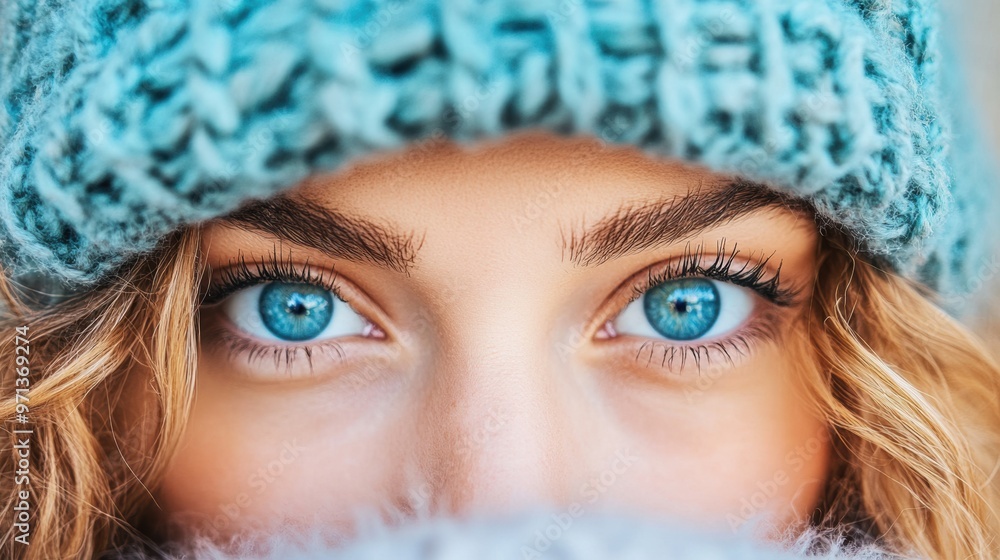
[[297, 306], [683, 309], [295, 311]]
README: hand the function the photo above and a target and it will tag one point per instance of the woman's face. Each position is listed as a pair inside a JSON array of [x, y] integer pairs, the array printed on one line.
[[541, 321]]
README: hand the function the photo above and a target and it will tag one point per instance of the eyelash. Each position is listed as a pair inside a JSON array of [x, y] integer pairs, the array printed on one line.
[[749, 274], [273, 268], [240, 275]]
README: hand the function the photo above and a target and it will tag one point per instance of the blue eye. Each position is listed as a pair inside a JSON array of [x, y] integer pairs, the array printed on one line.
[[295, 311], [686, 309], [682, 309], [292, 312]]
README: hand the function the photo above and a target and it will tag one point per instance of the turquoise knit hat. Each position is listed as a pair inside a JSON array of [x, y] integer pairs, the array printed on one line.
[[125, 119]]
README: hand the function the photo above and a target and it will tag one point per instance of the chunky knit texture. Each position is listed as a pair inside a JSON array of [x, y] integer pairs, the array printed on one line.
[[541, 534], [123, 119]]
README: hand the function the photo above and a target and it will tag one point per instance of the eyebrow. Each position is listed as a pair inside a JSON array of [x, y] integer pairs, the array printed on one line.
[[635, 228], [336, 234]]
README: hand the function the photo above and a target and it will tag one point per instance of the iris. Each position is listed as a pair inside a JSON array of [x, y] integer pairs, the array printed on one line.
[[682, 309], [295, 311]]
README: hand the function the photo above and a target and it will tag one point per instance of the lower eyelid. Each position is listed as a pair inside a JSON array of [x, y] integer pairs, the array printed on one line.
[[692, 361], [725, 353], [640, 283], [246, 359], [243, 351]]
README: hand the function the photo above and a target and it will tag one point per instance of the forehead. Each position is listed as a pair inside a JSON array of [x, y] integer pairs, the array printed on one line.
[[533, 199], [505, 182]]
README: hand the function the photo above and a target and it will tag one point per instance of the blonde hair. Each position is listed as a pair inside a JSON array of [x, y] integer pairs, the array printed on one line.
[[910, 394], [913, 398], [112, 380]]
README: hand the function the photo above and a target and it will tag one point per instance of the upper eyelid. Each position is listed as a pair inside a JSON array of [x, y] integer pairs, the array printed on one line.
[[218, 295], [661, 272], [637, 283], [641, 281], [238, 275], [341, 285]]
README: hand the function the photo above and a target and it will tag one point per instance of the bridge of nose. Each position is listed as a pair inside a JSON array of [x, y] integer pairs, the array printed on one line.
[[503, 419], [501, 427]]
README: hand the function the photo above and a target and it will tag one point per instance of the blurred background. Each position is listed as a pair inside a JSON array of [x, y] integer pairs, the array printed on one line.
[[974, 25]]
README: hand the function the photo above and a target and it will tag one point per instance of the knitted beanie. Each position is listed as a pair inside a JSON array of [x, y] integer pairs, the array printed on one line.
[[540, 533], [123, 120]]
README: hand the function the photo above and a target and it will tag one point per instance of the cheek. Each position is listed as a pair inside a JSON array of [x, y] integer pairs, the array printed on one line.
[[722, 451], [741, 446], [253, 459]]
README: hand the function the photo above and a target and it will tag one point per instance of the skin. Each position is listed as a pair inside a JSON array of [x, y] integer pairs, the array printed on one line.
[[495, 386]]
